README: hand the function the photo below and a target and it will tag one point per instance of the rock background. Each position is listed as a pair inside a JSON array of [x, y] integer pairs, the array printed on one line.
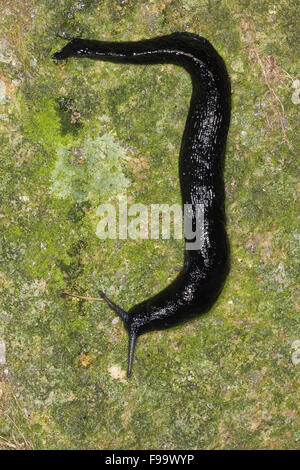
[[229, 379]]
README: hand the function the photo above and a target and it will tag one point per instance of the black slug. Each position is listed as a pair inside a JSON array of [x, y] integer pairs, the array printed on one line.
[[200, 169]]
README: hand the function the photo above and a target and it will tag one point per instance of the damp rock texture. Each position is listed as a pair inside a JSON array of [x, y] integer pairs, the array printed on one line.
[[81, 133]]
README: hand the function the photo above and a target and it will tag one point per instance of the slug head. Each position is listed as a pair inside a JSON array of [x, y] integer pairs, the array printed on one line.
[[130, 323]]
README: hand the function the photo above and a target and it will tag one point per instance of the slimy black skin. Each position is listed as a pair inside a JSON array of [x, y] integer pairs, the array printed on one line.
[[201, 159]]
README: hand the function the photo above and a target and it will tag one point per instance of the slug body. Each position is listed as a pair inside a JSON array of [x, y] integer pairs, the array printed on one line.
[[200, 169]]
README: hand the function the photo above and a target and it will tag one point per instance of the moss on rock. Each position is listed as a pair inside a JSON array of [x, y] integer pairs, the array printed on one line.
[[226, 380]]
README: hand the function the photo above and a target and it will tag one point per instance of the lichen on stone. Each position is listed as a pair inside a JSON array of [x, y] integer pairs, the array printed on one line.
[[89, 169]]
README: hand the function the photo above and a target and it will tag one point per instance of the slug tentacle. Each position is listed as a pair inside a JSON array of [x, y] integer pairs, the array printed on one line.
[[201, 161], [132, 342], [118, 310]]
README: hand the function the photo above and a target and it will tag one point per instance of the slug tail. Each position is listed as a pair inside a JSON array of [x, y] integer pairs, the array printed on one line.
[[132, 343]]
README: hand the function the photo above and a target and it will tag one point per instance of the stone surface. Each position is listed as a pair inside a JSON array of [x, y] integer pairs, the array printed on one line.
[[227, 380]]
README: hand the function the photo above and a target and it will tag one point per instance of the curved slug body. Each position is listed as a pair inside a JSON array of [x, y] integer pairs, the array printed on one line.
[[200, 169]]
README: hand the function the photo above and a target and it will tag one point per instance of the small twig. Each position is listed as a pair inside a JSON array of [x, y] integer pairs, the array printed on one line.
[[81, 297], [19, 406], [287, 74], [281, 111], [7, 443], [28, 444]]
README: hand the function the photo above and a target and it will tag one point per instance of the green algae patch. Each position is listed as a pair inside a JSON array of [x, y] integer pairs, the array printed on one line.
[[74, 135], [89, 170]]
